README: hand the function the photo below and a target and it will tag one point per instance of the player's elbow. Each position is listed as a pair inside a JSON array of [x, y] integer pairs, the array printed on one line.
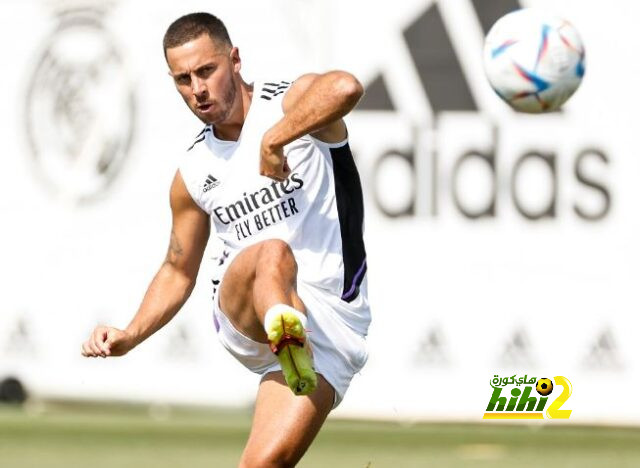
[[181, 278], [348, 87], [188, 282]]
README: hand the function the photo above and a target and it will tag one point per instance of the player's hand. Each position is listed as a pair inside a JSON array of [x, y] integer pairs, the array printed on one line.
[[108, 341], [273, 163]]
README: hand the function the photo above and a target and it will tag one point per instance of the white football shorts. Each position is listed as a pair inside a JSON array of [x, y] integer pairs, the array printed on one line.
[[336, 330]]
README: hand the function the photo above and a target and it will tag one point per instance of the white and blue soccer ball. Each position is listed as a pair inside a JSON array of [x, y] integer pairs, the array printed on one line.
[[534, 61]]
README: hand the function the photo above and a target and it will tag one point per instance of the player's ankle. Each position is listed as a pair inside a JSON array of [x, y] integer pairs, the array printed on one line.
[[278, 309]]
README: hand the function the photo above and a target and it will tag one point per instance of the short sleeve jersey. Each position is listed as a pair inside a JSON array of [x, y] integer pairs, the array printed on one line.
[[318, 210]]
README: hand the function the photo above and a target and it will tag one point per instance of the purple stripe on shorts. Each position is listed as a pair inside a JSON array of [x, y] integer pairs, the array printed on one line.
[[356, 280], [216, 323]]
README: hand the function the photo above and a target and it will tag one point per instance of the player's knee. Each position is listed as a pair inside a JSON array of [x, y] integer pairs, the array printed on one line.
[[275, 253]]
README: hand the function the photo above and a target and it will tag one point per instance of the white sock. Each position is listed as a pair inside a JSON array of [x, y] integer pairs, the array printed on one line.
[[277, 309]]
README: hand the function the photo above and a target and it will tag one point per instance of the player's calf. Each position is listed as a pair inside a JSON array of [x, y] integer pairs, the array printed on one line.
[[275, 275]]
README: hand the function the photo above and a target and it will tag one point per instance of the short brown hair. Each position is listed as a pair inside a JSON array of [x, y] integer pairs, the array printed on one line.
[[191, 26]]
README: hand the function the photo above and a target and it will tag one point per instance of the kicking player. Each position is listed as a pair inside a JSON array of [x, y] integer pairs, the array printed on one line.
[[273, 174]]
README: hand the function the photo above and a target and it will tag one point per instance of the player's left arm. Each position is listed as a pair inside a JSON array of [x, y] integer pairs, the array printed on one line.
[[315, 105]]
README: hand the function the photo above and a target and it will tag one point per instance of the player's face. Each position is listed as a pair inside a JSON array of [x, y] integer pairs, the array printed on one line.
[[206, 76]]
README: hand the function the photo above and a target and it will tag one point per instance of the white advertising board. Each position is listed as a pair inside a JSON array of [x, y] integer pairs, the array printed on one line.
[[497, 243]]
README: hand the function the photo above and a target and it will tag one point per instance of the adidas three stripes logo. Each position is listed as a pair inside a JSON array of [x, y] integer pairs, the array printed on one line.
[[271, 90], [210, 182]]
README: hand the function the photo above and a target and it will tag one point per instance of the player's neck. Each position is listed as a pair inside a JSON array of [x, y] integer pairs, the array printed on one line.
[[232, 127]]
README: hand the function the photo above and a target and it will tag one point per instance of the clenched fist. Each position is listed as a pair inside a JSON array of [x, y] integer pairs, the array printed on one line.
[[108, 341], [273, 163]]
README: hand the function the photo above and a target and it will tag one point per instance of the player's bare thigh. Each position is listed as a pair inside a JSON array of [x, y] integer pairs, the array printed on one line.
[[260, 276]]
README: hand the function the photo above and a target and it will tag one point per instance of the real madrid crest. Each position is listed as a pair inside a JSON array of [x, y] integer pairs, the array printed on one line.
[[80, 109]]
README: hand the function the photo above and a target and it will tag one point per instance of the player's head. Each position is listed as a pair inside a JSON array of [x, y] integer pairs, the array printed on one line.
[[204, 65]]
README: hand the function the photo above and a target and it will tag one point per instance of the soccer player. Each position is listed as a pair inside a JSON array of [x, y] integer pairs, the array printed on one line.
[[273, 175]]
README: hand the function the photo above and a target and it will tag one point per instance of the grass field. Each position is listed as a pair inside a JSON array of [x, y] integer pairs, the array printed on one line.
[[107, 436]]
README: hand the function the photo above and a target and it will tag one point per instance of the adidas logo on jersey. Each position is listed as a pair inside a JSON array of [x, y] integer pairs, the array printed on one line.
[[210, 182]]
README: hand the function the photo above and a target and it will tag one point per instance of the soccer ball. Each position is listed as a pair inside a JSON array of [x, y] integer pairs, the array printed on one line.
[[533, 61], [544, 386]]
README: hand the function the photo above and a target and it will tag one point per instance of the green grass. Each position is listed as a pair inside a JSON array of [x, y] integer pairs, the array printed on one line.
[[107, 436]]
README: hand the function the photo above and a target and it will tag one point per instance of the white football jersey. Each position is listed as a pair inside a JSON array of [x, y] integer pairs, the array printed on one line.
[[318, 210]]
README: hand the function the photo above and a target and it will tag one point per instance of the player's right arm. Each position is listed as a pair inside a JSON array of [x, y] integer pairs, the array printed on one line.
[[170, 287]]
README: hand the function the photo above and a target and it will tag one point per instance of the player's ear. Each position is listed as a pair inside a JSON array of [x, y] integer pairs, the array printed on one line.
[[234, 55]]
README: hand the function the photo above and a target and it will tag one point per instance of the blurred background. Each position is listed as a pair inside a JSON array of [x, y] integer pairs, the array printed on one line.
[[498, 243]]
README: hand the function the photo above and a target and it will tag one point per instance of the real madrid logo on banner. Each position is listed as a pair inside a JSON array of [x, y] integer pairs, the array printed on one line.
[[80, 109]]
